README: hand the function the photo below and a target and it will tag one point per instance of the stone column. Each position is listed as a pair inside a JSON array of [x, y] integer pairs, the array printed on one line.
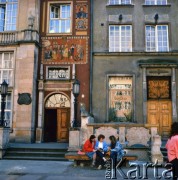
[[74, 139], [39, 129], [144, 96], [4, 140], [122, 135], [174, 106], [156, 154]]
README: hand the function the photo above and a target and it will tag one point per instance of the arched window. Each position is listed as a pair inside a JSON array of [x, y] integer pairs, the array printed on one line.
[[57, 101]]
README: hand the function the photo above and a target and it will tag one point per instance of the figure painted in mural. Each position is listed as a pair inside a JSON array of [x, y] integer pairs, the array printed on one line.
[[172, 149], [80, 51], [66, 52], [48, 52], [81, 24], [72, 48], [81, 13], [61, 51]]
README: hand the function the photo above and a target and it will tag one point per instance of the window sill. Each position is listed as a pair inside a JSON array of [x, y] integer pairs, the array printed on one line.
[[167, 5], [58, 34], [120, 5]]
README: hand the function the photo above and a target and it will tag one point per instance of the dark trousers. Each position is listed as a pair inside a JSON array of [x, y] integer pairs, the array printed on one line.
[[99, 158], [113, 156], [175, 168]]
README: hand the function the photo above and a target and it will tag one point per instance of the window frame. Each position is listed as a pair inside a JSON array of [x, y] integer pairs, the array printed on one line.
[[55, 79], [156, 38], [156, 3], [8, 69], [120, 2], [5, 25], [48, 18], [120, 42]]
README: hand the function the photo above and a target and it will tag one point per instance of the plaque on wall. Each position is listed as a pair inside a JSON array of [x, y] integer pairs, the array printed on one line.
[[68, 50], [58, 73], [24, 98]]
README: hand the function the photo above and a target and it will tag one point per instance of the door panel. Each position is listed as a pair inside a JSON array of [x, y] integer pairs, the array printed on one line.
[[63, 123], [165, 117], [160, 113]]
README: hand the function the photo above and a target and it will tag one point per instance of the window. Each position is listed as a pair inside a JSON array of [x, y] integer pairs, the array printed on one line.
[[6, 67], [157, 38], [155, 2], [120, 98], [8, 110], [119, 2], [58, 73], [60, 18], [120, 38], [8, 15]]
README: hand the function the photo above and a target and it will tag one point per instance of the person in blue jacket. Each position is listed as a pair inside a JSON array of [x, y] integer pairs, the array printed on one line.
[[101, 148], [116, 150]]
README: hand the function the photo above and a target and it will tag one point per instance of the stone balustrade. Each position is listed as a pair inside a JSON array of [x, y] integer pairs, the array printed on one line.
[[15, 37]]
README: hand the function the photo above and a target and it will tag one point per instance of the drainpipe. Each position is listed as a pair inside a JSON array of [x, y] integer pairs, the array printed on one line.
[[91, 54]]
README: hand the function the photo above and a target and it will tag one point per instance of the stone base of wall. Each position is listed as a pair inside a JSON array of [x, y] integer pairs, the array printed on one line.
[[141, 153], [24, 136]]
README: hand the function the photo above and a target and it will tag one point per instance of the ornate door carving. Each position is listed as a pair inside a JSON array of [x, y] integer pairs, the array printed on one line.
[[159, 106]]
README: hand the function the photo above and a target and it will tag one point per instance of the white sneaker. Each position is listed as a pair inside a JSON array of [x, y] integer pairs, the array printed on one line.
[[104, 159], [99, 167]]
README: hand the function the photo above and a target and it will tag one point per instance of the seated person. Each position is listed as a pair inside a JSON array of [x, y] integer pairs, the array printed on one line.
[[116, 150], [89, 150], [101, 148]]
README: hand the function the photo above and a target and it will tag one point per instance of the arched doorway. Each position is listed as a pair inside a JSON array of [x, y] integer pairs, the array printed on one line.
[[57, 118]]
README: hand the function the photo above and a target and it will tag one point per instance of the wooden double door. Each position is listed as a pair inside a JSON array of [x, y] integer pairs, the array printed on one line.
[[57, 123], [159, 106]]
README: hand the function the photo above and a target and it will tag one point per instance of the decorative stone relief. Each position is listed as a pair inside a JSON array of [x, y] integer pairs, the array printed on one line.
[[138, 135], [150, 18], [106, 131], [115, 18]]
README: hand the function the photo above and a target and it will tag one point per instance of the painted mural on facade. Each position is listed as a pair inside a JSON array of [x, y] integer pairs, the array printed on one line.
[[81, 16], [65, 50]]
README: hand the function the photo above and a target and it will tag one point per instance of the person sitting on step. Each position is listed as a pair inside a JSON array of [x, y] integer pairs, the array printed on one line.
[[101, 148]]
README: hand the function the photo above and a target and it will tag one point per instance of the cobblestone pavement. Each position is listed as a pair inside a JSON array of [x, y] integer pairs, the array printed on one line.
[[57, 170]]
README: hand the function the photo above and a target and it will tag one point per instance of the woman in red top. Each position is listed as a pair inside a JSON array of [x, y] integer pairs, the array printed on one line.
[[88, 148], [172, 149]]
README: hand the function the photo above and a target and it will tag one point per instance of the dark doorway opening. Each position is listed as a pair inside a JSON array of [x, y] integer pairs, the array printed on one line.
[[50, 125]]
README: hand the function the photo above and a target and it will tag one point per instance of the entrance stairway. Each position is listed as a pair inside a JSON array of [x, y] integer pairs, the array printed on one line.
[[41, 151]]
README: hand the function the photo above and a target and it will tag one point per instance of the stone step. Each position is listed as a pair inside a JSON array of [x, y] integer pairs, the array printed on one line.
[[35, 158], [53, 152], [36, 149], [40, 154]]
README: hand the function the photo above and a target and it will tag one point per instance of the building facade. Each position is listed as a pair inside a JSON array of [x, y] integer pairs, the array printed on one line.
[[135, 58], [65, 39], [19, 50]]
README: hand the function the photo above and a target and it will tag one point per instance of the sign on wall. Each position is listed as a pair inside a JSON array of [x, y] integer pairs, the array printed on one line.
[[60, 73], [61, 50], [120, 98]]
